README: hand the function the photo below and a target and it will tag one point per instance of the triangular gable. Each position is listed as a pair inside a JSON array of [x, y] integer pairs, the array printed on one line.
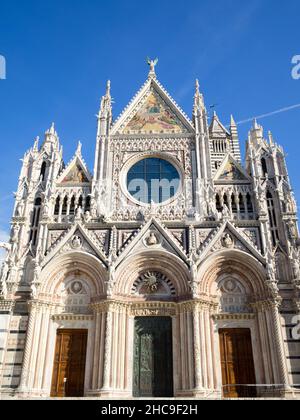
[[217, 128], [218, 240], [152, 236], [77, 239], [75, 173], [152, 111], [231, 171]]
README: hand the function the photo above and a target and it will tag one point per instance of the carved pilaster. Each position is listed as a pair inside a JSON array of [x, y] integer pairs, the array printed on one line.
[[107, 354]]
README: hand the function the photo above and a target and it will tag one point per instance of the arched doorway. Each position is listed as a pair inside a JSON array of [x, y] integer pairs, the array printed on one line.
[[154, 283], [69, 366], [235, 281], [153, 357]]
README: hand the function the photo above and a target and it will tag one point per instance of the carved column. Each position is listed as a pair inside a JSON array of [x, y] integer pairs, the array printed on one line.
[[282, 365], [107, 353], [28, 349], [197, 350], [95, 379]]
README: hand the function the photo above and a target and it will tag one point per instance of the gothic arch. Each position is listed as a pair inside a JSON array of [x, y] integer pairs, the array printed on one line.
[[61, 267], [242, 266], [163, 262]]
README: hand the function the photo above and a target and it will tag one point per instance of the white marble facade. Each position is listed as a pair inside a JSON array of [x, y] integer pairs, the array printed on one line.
[[223, 252]]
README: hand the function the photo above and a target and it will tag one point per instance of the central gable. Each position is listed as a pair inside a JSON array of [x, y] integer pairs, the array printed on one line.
[[155, 116], [152, 111]]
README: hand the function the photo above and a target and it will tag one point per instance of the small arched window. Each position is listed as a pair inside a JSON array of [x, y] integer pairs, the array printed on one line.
[[226, 200], [65, 206], [264, 166], [35, 221], [88, 204], [242, 204], [249, 204], [233, 204], [72, 205], [43, 171], [272, 218], [57, 206], [218, 203]]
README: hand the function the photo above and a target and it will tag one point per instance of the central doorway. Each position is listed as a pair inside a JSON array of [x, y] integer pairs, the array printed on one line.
[[69, 364], [237, 362], [153, 357]]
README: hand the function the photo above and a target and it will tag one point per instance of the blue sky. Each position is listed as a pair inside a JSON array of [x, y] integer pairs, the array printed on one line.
[[59, 55]]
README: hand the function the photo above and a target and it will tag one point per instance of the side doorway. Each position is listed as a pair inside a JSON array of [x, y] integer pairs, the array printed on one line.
[[69, 364], [238, 373]]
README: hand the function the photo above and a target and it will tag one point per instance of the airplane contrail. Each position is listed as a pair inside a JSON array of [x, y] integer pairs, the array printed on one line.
[[279, 111]]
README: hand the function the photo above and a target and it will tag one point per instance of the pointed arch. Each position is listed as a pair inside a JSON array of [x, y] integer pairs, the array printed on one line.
[[250, 271], [59, 268], [167, 264]]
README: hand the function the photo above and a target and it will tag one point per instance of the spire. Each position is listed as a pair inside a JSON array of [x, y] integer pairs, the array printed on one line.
[[256, 126], [51, 136], [271, 140], [106, 102], [197, 93], [198, 98], [79, 149], [152, 64], [232, 122], [36, 144], [108, 86], [235, 144]]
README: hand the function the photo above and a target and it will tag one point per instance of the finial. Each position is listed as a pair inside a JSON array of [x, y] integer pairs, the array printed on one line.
[[197, 87], [232, 121], [271, 138], [52, 129], [36, 144], [152, 64], [108, 85], [79, 148], [255, 124]]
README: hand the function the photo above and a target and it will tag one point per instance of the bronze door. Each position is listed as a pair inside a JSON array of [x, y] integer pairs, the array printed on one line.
[[153, 357], [237, 362], [69, 364]]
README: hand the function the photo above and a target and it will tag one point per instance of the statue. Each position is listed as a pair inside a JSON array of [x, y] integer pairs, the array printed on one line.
[[152, 240], [76, 242], [228, 241], [152, 64], [46, 209], [226, 212], [20, 209], [15, 233], [79, 213], [87, 217]]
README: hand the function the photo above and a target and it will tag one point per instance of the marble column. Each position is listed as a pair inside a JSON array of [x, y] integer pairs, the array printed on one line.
[[28, 348]]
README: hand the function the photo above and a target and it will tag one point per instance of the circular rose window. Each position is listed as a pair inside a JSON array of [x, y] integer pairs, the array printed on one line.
[[153, 180]]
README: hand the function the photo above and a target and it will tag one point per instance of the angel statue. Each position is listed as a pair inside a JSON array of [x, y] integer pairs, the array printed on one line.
[[152, 64]]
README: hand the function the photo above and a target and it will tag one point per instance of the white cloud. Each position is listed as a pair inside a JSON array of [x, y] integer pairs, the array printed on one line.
[[4, 237]]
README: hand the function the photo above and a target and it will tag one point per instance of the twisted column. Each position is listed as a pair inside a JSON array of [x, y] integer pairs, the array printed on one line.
[[28, 349]]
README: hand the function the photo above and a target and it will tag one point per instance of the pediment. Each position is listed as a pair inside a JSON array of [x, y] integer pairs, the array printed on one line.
[[152, 237], [231, 171], [77, 239], [228, 237], [216, 128], [152, 111], [76, 173]]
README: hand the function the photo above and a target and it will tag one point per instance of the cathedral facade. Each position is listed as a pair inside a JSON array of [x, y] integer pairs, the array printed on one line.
[[172, 270]]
